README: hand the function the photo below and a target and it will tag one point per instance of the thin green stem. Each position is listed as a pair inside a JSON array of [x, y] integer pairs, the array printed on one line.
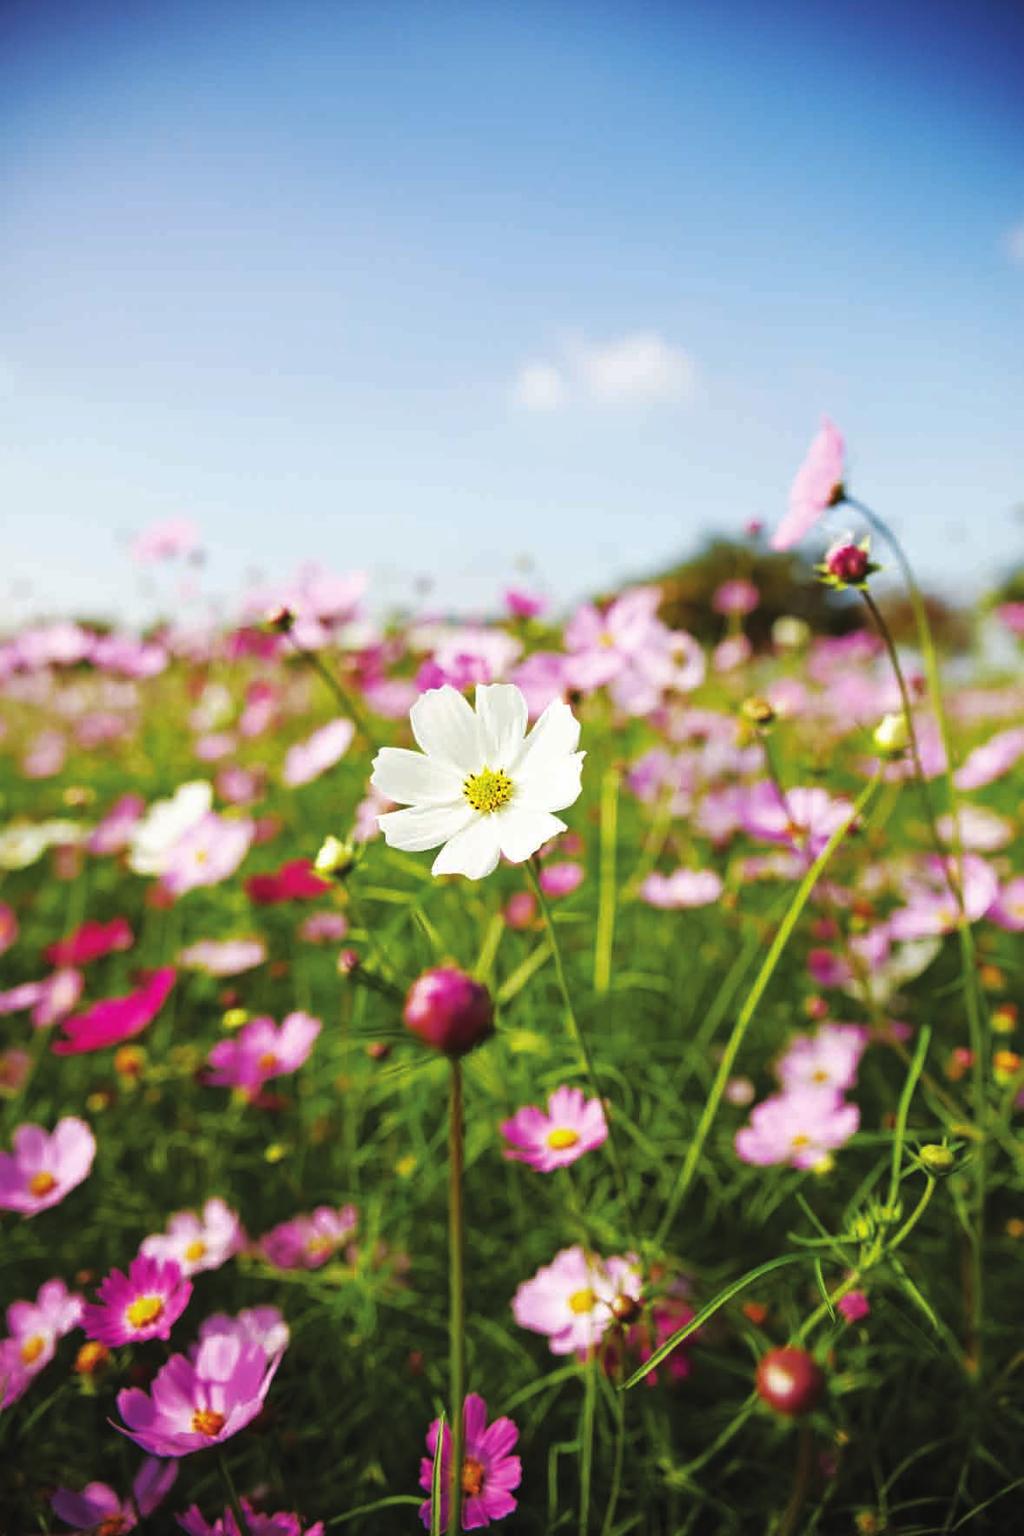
[[605, 933], [903, 1110], [229, 1488], [457, 1302], [608, 1524], [341, 693], [587, 1439]]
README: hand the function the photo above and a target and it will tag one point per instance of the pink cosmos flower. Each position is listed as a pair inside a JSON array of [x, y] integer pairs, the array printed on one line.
[[572, 1125], [259, 1524], [195, 1242], [91, 941], [143, 1304], [520, 910], [45, 756], [570, 1299], [223, 957], [199, 1400], [114, 832], [668, 1314], [1012, 615], [931, 907], [35, 1328], [540, 678], [116, 1019], [261, 1050], [561, 879], [294, 881], [738, 596], [683, 888], [307, 760], [208, 852], [854, 1306], [45, 1166], [1007, 910], [818, 485], [50, 999], [981, 830], [323, 928], [489, 1472], [733, 652], [172, 538], [98, 1508], [991, 760], [8, 927], [827, 1059], [524, 605], [306, 1242], [264, 1326], [629, 650], [801, 1127], [805, 821]]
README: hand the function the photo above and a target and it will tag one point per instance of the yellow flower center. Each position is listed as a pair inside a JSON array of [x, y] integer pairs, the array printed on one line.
[[195, 1250], [144, 1310], [488, 790], [41, 1183], [820, 1076], [113, 1525], [32, 1348], [800, 1141], [472, 1477], [267, 1062], [582, 1301], [315, 1246], [208, 1422], [561, 1138]]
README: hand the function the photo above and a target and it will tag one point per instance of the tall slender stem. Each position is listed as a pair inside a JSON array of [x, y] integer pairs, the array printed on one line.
[[456, 1300], [339, 690], [605, 933], [233, 1499]]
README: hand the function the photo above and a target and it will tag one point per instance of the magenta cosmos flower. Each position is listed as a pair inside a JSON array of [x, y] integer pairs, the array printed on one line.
[[199, 1400], [91, 942], [262, 1050], [572, 1125], [100, 1510], [143, 1304], [802, 1127], [280, 1524], [489, 1473], [196, 1242], [306, 1242], [570, 1299], [45, 1166], [116, 1019], [818, 485]]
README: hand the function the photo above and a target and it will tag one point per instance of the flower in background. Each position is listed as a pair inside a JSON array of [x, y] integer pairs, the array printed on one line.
[[571, 1126], [489, 1473], [827, 1059], [279, 1524], [931, 907], [165, 824], [116, 1019], [207, 853], [98, 1508], [818, 485], [50, 999], [143, 1304], [683, 888], [295, 881], [8, 927], [45, 1166], [306, 1242], [261, 1050], [223, 957], [91, 942], [197, 1242], [264, 1326], [628, 649], [991, 760], [307, 760], [34, 1330], [801, 1127], [323, 928], [561, 879], [524, 605], [738, 596], [173, 538], [854, 1306], [570, 1300], [117, 828], [482, 787], [804, 819], [14, 1070], [1007, 910]]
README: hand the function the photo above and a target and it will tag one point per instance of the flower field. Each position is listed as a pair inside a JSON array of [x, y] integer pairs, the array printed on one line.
[[549, 1072]]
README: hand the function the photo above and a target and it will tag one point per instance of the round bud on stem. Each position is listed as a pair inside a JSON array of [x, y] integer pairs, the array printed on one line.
[[625, 1309], [790, 1381], [760, 712], [891, 736], [449, 1011], [334, 858], [281, 620], [935, 1158]]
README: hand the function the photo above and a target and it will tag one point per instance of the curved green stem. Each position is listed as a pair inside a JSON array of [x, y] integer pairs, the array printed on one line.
[[457, 1304]]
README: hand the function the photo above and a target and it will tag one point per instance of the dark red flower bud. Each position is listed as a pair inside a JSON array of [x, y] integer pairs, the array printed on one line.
[[848, 563], [449, 1011], [790, 1381]]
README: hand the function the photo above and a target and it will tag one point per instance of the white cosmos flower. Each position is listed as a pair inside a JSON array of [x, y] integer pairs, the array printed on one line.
[[481, 786]]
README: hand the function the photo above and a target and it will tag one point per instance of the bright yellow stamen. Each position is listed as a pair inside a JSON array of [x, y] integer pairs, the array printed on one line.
[[41, 1183], [32, 1348], [195, 1250], [113, 1525], [561, 1138], [208, 1422], [144, 1310], [488, 790], [315, 1246], [800, 1141], [582, 1301], [472, 1477]]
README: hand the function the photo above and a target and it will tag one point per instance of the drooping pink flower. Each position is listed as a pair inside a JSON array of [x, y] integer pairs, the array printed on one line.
[[116, 1019], [991, 760], [307, 760], [801, 1127], [683, 888], [489, 1472], [45, 1166], [199, 1242], [199, 1400], [827, 1059], [261, 1050], [570, 1299], [307, 1241], [114, 832], [259, 1524], [34, 1330], [207, 853], [294, 881], [223, 957], [99, 1510], [91, 942], [143, 1304], [553, 1139], [818, 485], [561, 879]]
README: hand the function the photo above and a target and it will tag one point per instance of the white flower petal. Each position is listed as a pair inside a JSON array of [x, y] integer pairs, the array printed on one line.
[[409, 778], [424, 826], [501, 711], [522, 832], [553, 788], [473, 852], [446, 728], [555, 735]]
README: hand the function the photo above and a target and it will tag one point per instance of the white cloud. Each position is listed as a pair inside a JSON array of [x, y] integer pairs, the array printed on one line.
[[640, 368], [1015, 244]]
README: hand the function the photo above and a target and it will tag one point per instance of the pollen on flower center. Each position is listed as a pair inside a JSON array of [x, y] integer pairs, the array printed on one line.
[[800, 1140], [113, 1525], [32, 1348], [582, 1301], [267, 1061], [315, 1246], [488, 790], [561, 1138], [472, 1477], [208, 1422], [195, 1250], [144, 1310], [41, 1183]]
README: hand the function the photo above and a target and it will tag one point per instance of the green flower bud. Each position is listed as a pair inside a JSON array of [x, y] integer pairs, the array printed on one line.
[[935, 1158]]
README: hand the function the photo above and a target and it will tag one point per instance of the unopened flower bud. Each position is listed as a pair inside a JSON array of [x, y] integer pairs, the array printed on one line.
[[335, 858], [758, 711], [449, 1011], [790, 1381], [935, 1158], [847, 564], [790, 633], [129, 1061], [280, 619], [348, 960], [625, 1309], [891, 736], [92, 1358]]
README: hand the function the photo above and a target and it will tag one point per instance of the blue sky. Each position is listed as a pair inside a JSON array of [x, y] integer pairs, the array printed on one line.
[[431, 289]]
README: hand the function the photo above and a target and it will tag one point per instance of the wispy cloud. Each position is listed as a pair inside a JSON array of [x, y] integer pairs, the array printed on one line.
[[1015, 244], [640, 368]]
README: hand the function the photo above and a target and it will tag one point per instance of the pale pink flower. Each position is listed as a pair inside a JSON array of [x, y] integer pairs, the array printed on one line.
[[323, 928], [114, 832], [262, 1049], [199, 1242], [980, 830], [541, 677], [173, 538], [731, 653], [683, 888], [307, 760], [100, 1511], [45, 1166], [207, 853], [1012, 615], [571, 1126], [991, 760], [818, 485], [45, 756], [802, 1128], [35, 1328], [223, 957], [1007, 910], [307, 1241], [805, 818], [738, 596], [931, 907], [264, 1326], [827, 1059], [570, 1299]]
